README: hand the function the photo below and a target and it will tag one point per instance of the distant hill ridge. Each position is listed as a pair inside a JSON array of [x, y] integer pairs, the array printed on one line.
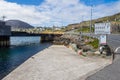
[[18, 24], [114, 18]]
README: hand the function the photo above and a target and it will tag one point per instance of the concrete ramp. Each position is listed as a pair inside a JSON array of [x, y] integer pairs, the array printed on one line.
[[57, 63]]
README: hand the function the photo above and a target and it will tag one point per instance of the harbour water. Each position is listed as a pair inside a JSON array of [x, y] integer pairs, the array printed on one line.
[[24, 40], [21, 49]]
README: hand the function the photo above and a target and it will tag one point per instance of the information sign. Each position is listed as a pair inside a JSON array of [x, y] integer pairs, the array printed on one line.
[[102, 28], [103, 39]]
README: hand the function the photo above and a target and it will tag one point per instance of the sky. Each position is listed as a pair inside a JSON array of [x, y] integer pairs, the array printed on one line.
[[56, 12]]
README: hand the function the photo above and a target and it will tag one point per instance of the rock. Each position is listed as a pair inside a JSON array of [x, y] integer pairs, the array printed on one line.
[[86, 48], [97, 52], [80, 45], [79, 52], [84, 54], [74, 46]]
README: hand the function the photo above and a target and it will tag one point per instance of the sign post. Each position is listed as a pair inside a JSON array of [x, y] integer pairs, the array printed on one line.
[[102, 29], [103, 40]]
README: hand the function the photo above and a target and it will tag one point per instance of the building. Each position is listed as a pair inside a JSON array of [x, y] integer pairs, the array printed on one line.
[[5, 32], [4, 29]]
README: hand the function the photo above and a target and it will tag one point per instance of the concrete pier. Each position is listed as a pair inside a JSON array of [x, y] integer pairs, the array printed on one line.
[[57, 63]]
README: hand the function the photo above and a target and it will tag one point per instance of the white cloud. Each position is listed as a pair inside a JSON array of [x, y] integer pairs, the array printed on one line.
[[106, 9], [22, 12], [55, 12]]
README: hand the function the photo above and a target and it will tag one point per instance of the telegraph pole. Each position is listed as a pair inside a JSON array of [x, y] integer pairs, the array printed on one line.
[[82, 25], [91, 17], [91, 20]]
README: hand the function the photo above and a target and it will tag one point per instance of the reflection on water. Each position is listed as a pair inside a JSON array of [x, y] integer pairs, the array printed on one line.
[[12, 57], [24, 40]]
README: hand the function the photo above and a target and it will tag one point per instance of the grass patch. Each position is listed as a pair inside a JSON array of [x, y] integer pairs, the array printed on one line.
[[94, 43]]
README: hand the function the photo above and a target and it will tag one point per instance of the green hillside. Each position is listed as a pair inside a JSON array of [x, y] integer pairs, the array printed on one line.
[[114, 19]]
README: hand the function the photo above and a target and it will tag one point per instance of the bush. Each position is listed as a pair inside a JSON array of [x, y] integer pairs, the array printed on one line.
[[94, 43]]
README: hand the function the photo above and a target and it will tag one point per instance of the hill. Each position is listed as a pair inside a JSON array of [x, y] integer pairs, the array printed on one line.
[[18, 24], [114, 19]]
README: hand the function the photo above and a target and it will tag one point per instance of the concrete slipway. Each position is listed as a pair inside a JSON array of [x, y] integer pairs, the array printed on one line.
[[57, 63]]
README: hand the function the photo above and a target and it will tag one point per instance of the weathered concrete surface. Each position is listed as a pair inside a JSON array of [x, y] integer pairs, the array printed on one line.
[[111, 72], [56, 63]]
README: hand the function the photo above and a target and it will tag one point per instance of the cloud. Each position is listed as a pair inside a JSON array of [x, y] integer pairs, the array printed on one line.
[[26, 13], [56, 12], [106, 9]]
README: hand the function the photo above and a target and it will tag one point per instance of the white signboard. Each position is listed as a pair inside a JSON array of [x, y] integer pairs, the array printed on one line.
[[103, 39], [102, 28]]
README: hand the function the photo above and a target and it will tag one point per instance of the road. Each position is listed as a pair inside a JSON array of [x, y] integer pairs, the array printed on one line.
[[114, 41], [111, 72]]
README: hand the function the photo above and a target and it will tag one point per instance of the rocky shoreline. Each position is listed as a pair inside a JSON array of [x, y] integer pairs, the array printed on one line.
[[78, 43]]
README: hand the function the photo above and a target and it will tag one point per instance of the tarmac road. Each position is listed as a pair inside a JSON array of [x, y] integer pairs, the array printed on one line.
[[114, 41], [111, 72]]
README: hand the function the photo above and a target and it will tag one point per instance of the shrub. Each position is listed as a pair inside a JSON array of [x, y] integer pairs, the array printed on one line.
[[94, 43]]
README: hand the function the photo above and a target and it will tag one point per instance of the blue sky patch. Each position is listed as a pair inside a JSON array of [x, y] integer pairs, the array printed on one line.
[[27, 2]]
